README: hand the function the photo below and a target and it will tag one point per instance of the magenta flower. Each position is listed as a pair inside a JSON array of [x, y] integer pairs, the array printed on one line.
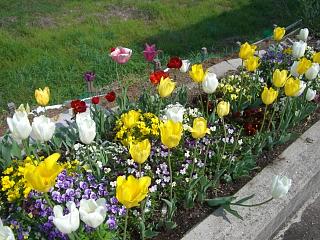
[[121, 55], [89, 76], [150, 52]]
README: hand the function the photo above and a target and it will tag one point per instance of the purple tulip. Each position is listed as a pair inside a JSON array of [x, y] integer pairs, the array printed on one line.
[[89, 76], [150, 52]]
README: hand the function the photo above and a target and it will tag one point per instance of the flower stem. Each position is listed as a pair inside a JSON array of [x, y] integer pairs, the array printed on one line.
[[264, 118], [252, 205], [225, 137], [126, 225], [170, 170], [46, 197]]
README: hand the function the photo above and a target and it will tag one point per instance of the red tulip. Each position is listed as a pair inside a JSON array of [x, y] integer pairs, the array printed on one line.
[[78, 106], [95, 100], [156, 76], [111, 96], [174, 62]]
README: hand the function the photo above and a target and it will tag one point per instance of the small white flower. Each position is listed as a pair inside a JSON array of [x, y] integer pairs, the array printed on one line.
[[147, 167], [153, 188], [113, 184], [158, 181], [183, 171], [213, 128], [240, 141], [174, 184], [230, 130], [107, 170], [187, 154], [99, 163], [130, 162], [187, 180]]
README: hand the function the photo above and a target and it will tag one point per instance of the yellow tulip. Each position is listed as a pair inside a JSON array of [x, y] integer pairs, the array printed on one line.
[[171, 133], [197, 74], [140, 151], [316, 57], [42, 96], [223, 109], [246, 51], [278, 33], [43, 176], [279, 78], [303, 65], [292, 87], [252, 63], [199, 129], [166, 87], [130, 118], [268, 96], [130, 192]]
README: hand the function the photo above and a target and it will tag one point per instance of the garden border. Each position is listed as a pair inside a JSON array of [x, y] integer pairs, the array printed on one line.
[[300, 163]]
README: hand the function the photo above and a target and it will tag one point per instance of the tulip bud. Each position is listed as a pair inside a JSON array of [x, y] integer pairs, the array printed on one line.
[[279, 78], [302, 87], [268, 96], [223, 109], [280, 186], [6, 232], [86, 127], [298, 49], [42, 96], [166, 87], [278, 33], [197, 73], [175, 112], [185, 66], [199, 129], [303, 65], [292, 87], [303, 34], [93, 212], [311, 94], [42, 128], [293, 69], [313, 71], [19, 125], [67, 223], [252, 63], [246, 51], [140, 151], [210, 82]]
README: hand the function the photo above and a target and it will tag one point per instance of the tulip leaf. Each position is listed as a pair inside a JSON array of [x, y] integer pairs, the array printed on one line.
[[220, 201], [150, 234], [15, 150], [232, 211]]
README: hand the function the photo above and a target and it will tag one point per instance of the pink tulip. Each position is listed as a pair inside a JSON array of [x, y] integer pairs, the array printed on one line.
[[121, 55], [150, 52]]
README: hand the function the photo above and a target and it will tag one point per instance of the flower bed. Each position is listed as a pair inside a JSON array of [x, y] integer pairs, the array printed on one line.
[[124, 173]]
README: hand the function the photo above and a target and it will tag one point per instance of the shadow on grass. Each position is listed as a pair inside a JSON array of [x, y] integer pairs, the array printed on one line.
[[220, 33]]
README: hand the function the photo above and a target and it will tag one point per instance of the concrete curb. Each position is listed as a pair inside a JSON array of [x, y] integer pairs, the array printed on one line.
[[300, 162]]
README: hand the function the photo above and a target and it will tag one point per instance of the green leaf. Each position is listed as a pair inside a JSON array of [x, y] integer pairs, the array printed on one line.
[[150, 234], [220, 201], [232, 211], [170, 225]]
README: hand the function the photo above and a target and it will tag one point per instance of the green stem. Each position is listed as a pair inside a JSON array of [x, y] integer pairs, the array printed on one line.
[[264, 118], [201, 100], [46, 197], [118, 77], [126, 225], [252, 205], [225, 137], [143, 205], [170, 171], [270, 121], [26, 146], [283, 112]]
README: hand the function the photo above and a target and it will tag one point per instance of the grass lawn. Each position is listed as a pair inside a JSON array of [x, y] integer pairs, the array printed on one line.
[[52, 42]]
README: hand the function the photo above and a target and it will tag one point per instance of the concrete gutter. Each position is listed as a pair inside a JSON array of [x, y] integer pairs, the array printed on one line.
[[300, 162]]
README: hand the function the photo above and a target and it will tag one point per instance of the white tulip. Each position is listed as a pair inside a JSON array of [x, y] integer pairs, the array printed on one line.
[[303, 34], [311, 94], [42, 128], [185, 66], [298, 49], [313, 71], [210, 82], [5, 232], [280, 186], [93, 212], [86, 126], [303, 86], [19, 125], [293, 69], [66, 223], [175, 112]]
